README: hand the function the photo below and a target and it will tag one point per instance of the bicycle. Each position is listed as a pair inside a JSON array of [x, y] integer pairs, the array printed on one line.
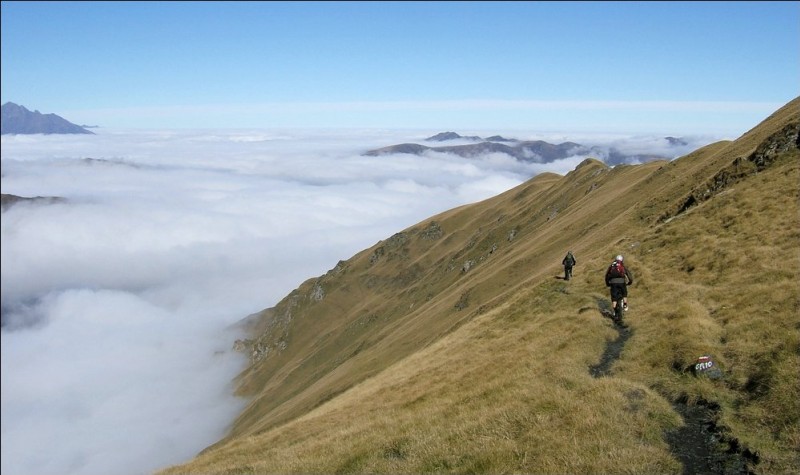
[[619, 310]]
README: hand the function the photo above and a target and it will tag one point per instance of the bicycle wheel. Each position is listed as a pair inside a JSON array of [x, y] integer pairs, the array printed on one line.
[[618, 311]]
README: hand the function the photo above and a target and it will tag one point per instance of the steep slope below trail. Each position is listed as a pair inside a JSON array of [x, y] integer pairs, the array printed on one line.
[[454, 346]]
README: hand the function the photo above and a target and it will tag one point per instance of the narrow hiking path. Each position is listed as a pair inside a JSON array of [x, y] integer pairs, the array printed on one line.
[[613, 348], [700, 444]]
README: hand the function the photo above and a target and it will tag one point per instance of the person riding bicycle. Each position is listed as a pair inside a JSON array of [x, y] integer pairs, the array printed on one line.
[[568, 262], [618, 278]]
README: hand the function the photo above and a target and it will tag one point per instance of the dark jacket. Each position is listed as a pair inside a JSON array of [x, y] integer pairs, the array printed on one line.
[[628, 279], [569, 260]]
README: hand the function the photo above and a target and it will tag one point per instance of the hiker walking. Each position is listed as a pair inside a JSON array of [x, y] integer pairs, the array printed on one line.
[[568, 262], [618, 278]]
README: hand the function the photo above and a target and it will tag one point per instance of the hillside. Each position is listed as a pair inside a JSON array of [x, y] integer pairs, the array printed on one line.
[[17, 119], [455, 346]]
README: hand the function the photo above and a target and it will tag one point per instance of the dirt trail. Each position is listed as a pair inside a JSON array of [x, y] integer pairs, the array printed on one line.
[[613, 348], [700, 444]]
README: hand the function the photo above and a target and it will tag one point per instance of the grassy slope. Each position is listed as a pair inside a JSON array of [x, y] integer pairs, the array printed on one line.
[[452, 346]]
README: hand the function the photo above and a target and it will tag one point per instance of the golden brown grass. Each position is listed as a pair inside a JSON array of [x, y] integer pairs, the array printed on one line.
[[508, 392], [415, 362]]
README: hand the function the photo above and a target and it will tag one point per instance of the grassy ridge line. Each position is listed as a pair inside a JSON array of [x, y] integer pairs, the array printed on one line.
[[392, 378]]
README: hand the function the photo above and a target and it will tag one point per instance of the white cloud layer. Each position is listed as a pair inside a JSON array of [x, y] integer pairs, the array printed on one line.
[[117, 304]]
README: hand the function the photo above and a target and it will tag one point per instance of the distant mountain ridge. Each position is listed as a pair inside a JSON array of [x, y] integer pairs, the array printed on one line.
[[16, 119], [8, 200], [532, 151]]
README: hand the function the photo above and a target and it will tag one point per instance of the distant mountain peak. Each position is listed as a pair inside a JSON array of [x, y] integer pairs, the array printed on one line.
[[499, 138], [675, 141], [445, 136], [16, 119]]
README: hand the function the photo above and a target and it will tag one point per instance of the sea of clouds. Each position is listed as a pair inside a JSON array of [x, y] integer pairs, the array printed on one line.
[[119, 304]]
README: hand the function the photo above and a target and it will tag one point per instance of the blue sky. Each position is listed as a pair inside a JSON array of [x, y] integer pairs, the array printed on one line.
[[626, 67]]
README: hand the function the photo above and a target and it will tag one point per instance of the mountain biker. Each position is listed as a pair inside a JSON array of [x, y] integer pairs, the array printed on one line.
[[618, 278], [568, 262]]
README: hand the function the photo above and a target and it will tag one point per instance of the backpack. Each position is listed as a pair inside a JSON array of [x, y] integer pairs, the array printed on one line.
[[569, 260], [616, 270]]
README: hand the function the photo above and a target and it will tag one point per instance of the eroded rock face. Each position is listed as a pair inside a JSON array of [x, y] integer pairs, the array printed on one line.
[[784, 141]]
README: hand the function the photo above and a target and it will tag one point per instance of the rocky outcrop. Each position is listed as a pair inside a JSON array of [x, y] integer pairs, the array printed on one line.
[[784, 141]]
